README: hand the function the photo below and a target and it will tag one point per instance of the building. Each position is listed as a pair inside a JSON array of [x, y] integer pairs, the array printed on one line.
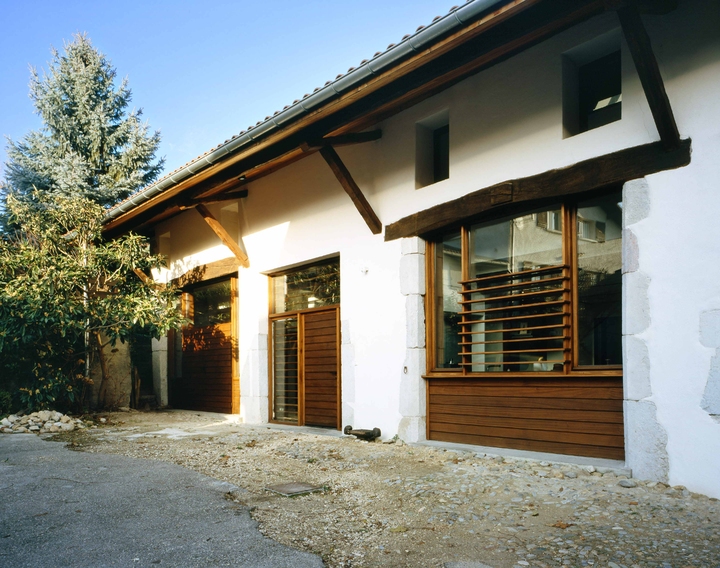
[[497, 232]]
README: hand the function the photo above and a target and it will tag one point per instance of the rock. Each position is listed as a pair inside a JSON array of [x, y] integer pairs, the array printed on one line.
[[627, 483], [571, 475], [65, 419], [590, 468]]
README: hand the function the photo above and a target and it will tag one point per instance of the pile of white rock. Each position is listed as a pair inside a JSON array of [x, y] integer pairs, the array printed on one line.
[[42, 422]]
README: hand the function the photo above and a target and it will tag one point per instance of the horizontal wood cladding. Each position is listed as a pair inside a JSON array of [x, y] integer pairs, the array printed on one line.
[[564, 415], [207, 382], [320, 367], [602, 171]]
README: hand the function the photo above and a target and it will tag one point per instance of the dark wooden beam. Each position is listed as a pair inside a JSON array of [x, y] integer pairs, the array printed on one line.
[[343, 140], [595, 173], [647, 67], [222, 234], [343, 176], [184, 204]]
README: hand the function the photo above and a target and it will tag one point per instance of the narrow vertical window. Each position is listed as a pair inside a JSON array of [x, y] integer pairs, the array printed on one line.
[[599, 277], [448, 273]]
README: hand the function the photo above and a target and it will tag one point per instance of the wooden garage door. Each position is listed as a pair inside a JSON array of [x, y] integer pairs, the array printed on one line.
[[209, 379], [573, 415], [320, 368]]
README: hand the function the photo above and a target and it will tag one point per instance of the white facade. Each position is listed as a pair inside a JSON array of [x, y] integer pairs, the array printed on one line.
[[505, 123]]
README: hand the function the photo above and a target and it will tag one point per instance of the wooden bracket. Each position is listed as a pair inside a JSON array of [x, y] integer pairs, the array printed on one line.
[[222, 234], [142, 276], [647, 67], [352, 189]]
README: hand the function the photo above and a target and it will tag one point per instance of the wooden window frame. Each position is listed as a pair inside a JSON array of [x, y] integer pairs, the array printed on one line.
[[571, 366], [275, 316]]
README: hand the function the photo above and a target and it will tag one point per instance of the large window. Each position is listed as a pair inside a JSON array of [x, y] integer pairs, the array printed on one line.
[[539, 292]]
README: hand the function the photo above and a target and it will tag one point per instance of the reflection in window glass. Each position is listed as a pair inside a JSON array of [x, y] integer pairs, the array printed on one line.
[[599, 262], [212, 304], [515, 295], [448, 271], [312, 287]]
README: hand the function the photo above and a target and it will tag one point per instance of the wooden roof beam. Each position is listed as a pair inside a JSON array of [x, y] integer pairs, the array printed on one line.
[[646, 64], [602, 171], [343, 140], [346, 180], [223, 235], [230, 196]]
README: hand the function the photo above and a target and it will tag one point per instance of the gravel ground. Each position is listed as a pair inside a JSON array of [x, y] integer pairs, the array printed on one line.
[[397, 505]]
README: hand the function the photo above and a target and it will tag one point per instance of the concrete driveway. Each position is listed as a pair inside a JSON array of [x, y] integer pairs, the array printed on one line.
[[65, 508]]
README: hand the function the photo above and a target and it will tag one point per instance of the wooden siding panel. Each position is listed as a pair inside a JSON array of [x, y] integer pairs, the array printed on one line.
[[320, 365], [565, 415]]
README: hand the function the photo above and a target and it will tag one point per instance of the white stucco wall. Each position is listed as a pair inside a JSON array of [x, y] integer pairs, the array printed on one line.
[[505, 123]]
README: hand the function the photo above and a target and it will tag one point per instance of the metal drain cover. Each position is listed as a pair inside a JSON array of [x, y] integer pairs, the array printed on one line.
[[292, 489]]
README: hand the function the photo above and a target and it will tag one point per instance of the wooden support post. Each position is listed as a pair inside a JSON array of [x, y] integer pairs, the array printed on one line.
[[647, 67], [222, 234], [352, 189]]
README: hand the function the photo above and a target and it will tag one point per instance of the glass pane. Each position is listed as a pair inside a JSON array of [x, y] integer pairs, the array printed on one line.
[[515, 296], [212, 304], [448, 273], [599, 249], [285, 369], [311, 287], [513, 245]]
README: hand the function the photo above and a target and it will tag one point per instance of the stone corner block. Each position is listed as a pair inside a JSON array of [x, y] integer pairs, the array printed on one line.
[[636, 368], [630, 253], [636, 201], [710, 328], [412, 274], [645, 442], [412, 245], [415, 322], [636, 303], [412, 429]]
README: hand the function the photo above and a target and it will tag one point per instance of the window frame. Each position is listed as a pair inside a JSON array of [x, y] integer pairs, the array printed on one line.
[[295, 314], [572, 367]]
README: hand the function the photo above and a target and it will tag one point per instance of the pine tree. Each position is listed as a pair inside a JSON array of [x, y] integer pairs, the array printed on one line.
[[90, 145]]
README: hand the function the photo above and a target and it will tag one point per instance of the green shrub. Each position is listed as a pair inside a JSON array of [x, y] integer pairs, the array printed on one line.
[[6, 403]]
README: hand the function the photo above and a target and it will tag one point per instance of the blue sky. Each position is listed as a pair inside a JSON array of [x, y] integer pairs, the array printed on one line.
[[201, 71]]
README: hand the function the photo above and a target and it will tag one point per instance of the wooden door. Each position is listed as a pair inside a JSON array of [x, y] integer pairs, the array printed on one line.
[[320, 368], [209, 380]]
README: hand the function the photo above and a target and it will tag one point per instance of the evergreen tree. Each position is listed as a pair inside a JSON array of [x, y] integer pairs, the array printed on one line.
[[90, 146]]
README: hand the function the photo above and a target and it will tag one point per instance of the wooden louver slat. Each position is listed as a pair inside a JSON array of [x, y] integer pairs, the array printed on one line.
[[521, 319]]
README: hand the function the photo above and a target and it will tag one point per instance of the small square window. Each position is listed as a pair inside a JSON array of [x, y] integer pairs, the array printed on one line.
[[592, 85]]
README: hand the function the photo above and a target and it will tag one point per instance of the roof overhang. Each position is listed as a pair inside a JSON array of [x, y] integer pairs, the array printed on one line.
[[469, 39]]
